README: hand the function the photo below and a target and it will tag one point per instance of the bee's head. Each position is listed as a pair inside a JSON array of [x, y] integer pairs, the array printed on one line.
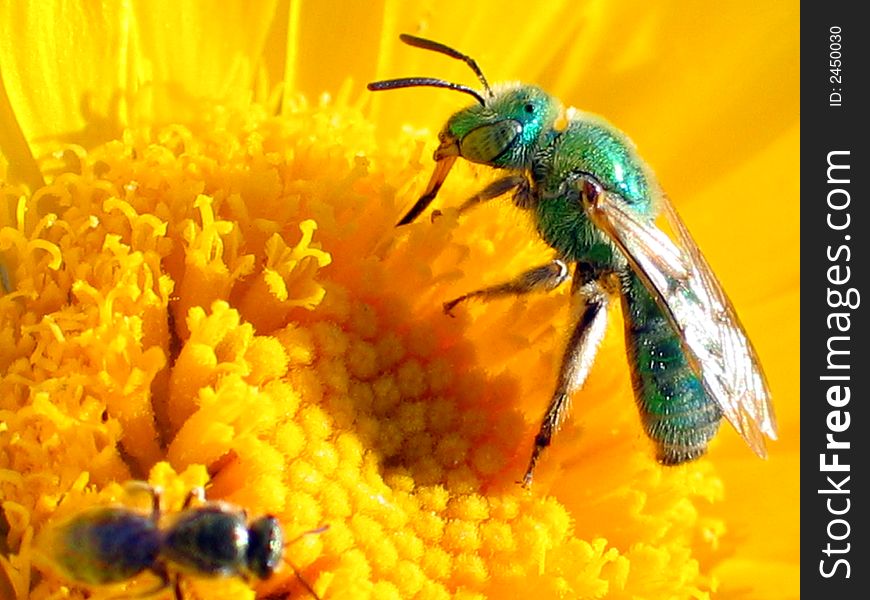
[[503, 131], [265, 547]]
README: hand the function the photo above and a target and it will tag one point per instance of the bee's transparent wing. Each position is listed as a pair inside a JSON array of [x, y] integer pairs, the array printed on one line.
[[684, 286]]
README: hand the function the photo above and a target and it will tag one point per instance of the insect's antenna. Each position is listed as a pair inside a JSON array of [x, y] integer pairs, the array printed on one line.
[[392, 84], [320, 529], [301, 580], [296, 572], [425, 44]]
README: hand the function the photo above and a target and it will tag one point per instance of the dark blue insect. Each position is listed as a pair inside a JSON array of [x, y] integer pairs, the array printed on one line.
[[112, 544]]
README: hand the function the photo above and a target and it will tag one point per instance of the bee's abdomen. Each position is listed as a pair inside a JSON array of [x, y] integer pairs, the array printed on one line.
[[107, 545], [677, 414]]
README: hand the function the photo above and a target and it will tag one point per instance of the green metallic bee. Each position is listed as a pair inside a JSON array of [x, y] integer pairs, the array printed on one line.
[[595, 202]]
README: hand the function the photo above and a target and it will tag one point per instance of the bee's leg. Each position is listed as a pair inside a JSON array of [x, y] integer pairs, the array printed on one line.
[[159, 569], [177, 594], [543, 278], [589, 328], [197, 493], [516, 183], [133, 487]]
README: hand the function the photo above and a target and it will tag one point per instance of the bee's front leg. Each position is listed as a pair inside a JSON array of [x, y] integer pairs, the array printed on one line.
[[516, 183], [543, 278]]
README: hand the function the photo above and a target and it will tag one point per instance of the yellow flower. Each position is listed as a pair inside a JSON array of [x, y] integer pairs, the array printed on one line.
[[203, 286]]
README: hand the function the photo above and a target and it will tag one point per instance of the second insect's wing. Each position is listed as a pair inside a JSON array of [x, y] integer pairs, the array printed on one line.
[[680, 280]]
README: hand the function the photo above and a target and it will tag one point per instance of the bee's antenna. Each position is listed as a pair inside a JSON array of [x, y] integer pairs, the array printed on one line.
[[301, 580], [296, 572], [392, 84], [425, 44]]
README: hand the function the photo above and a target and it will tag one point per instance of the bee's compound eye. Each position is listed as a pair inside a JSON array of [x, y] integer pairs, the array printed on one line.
[[529, 107], [486, 143]]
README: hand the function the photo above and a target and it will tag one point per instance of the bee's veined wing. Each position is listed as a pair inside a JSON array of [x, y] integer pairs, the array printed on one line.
[[684, 286]]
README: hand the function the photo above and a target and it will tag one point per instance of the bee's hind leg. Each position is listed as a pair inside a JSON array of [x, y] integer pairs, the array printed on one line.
[[590, 324]]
